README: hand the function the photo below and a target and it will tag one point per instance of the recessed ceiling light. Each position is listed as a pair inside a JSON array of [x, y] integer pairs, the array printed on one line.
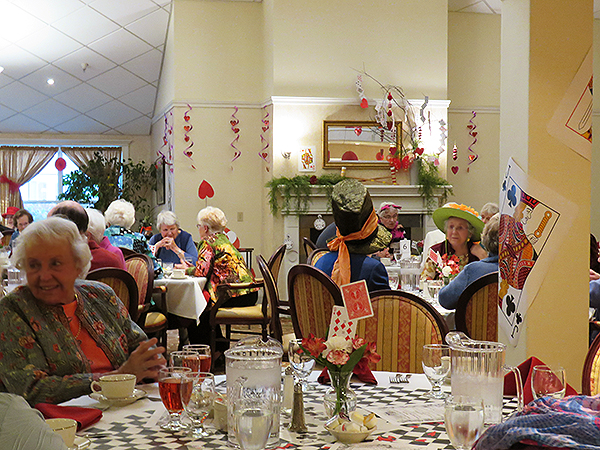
[[1, 69], [50, 81]]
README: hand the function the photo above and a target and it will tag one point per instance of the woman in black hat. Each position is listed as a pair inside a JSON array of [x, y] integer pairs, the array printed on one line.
[[358, 235]]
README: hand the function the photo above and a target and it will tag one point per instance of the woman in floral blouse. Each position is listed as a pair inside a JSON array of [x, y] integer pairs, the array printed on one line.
[[59, 332], [463, 227]]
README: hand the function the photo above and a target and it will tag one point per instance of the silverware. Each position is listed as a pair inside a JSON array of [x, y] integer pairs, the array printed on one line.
[[400, 378]]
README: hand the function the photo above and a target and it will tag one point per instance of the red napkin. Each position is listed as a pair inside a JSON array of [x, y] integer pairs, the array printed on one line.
[[361, 370], [526, 369], [84, 416]]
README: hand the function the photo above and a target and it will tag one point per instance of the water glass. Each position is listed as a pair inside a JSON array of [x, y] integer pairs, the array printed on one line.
[[436, 366], [394, 280], [434, 287], [254, 419], [197, 395], [167, 269], [301, 362], [169, 385], [204, 354], [463, 417], [548, 381]]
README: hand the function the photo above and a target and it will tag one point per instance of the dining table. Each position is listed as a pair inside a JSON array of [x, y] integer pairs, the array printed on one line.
[[184, 296], [407, 419]]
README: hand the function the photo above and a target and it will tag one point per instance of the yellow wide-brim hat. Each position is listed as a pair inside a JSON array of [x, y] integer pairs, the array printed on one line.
[[465, 212]]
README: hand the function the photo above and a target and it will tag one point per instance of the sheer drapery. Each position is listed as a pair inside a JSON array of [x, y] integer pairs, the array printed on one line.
[[82, 155], [18, 165]]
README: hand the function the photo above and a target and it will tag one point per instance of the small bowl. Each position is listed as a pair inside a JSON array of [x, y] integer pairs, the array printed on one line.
[[351, 437]]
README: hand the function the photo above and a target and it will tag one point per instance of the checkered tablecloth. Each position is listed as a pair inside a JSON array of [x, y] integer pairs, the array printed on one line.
[[131, 431]]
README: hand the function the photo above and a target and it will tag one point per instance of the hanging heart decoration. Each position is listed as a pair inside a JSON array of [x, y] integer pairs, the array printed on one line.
[[364, 103], [60, 164], [471, 131], [205, 190], [454, 169], [454, 153], [358, 131], [187, 128], [166, 155], [263, 154], [234, 122]]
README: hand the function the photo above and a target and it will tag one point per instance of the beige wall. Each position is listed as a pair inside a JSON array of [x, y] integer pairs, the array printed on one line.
[[595, 191]]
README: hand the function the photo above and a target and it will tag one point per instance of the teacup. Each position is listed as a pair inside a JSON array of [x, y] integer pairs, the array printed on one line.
[[178, 273], [115, 386], [65, 428]]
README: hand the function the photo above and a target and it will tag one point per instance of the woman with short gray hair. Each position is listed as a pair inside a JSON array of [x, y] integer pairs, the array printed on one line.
[[120, 216], [173, 244]]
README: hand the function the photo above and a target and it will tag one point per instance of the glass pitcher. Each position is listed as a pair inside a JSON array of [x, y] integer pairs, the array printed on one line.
[[477, 370], [253, 369]]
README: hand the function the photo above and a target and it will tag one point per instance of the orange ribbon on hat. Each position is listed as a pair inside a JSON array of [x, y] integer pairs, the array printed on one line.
[[341, 268]]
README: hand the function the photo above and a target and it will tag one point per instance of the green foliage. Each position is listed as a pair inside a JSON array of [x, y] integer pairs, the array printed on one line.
[[97, 183], [295, 192], [429, 180]]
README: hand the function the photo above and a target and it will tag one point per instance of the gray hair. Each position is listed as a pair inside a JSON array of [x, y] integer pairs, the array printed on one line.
[[213, 218], [49, 230], [471, 227], [97, 224], [489, 237], [490, 209], [120, 212], [167, 218]]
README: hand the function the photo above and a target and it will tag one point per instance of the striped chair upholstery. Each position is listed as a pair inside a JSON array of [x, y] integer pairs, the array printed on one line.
[[477, 309], [590, 384], [402, 323], [315, 255], [122, 283], [312, 295]]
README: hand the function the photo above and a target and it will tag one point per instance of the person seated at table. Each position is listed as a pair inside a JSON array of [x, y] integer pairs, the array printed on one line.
[[24, 428], [462, 226], [76, 213], [172, 244], [96, 229], [21, 219], [488, 210], [358, 235], [220, 262], [60, 332], [448, 296], [388, 217], [120, 217]]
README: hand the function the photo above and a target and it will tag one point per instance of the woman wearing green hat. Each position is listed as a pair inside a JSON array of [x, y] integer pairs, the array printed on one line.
[[463, 227]]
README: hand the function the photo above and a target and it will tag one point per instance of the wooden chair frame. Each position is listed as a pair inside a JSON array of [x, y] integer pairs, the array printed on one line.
[[308, 245], [127, 279], [464, 300], [272, 296], [591, 364], [274, 265], [314, 256]]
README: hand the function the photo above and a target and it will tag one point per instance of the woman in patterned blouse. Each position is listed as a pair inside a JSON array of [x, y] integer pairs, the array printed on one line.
[[60, 332]]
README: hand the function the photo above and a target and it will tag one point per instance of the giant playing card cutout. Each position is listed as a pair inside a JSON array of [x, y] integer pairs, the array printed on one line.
[[533, 218]]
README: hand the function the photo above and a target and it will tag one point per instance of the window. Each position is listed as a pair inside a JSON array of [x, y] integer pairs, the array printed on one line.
[[40, 194]]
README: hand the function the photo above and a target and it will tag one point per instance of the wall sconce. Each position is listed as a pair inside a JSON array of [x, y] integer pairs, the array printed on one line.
[[286, 155]]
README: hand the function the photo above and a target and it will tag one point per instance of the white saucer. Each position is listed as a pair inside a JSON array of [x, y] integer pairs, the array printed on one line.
[[80, 443], [183, 277], [137, 394]]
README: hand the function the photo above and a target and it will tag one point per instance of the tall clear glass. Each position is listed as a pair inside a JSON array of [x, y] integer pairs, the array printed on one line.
[[204, 354], [301, 362], [436, 366], [463, 417], [169, 385], [197, 395]]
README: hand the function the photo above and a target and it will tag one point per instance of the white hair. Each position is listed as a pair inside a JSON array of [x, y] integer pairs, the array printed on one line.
[[120, 212], [490, 209], [97, 224], [389, 205], [51, 230], [213, 218], [167, 218]]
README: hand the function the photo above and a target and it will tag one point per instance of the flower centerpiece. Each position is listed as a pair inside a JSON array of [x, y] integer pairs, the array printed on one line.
[[340, 356], [449, 268]]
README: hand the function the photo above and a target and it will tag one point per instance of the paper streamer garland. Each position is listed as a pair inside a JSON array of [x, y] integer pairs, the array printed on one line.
[[167, 142], [234, 122], [454, 158], [471, 127], [423, 106], [263, 153], [364, 103], [186, 136]]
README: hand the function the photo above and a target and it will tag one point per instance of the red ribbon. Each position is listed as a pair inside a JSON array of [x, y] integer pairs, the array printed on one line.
[[12, 186]]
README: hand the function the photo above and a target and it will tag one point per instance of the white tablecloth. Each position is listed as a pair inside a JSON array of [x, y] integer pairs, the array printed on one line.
[[184, 296]]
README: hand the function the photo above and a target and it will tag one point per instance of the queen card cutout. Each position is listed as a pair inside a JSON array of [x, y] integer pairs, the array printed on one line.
[[306, 163], [531, 221], [356, 299]]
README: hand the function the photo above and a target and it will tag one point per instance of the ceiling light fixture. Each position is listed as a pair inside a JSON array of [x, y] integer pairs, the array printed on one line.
[[50, 81], [1, 69]]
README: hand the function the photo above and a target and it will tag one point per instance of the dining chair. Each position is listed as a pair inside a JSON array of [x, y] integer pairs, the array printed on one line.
[[272, 297], [315, 255], [312, 295], [152, 317], [401, 324], [590, 383], [124, 285], [275, 261], [127, 251], [309, 245], [477, 309]]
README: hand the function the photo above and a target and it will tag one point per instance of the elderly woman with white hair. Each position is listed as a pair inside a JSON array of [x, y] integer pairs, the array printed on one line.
[[95, 231], [488, 210], [387, 215], [60, 332], [120, 216], [172, 244]]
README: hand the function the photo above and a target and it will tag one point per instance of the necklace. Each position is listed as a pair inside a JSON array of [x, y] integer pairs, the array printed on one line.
[[79, 327]]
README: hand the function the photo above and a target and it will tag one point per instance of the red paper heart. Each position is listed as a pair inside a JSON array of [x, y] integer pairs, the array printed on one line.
[[454, 169], [358, 131], [389, 113], [364, 103], [236, 130], [205, 190], [165, 140], [188, 153], [389, 125], [186, 118], [472, 158], [390, 96], [264, 155], [265, 129], [234, 122], [473, 133], [470, 127], [419, 151], [186, 138], [187, 127]]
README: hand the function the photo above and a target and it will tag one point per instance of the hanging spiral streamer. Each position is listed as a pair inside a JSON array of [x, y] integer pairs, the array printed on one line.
[[471, 127], [454, 153], [186, 136], [423, 106], [234, 122], [264, 154], [443, 137], [364, 103], [167, 142]]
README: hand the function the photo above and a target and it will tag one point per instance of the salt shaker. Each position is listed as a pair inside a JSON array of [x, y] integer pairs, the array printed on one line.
[[298, 423], [288, 390]]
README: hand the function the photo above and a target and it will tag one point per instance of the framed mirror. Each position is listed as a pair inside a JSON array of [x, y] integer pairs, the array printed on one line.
[[358, 144]]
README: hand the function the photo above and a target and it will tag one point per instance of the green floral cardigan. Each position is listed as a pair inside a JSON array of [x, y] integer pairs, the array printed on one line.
[[39, 357]]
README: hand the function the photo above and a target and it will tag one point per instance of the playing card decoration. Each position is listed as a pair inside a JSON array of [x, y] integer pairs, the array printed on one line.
[[263, 154], [186, 135], [356, 299], [364, 103], [234, 122], [423, 106], [205, 190], [232, 237], [60, 164], [471, 127], [341, 324], [443, 137]]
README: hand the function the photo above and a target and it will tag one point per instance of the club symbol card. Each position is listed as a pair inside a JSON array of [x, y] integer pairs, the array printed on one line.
[[357, 300], [341, 325]]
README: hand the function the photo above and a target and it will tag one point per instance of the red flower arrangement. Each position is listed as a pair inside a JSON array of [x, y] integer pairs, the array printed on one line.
[[449, 267]]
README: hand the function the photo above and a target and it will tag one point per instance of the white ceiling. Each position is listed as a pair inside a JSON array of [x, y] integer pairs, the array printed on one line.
[[121, 44]]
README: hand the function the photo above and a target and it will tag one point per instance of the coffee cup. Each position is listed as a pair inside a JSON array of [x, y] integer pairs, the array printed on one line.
[[65, 428], [115, 386], [178, 273]]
